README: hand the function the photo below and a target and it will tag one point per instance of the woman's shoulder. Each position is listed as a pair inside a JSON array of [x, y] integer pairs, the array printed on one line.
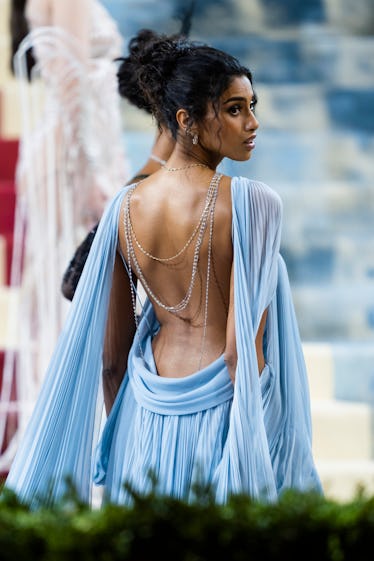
[[257, 191]]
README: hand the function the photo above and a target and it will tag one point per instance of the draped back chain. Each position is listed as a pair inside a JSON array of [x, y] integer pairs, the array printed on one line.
[[206, 220]]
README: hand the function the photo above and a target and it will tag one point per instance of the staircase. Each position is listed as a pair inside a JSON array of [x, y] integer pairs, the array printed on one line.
[[342, 428]]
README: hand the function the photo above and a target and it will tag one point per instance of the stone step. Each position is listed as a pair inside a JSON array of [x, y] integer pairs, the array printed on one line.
[[320, 369], [341, 480], [357, 21], [341, 60], [340, 370], [342, 430], [335, 208], [308, 156], [343, 263], [142, 13], [311, 54], [273, 14], [334, 311], [231, 19], [279, 41], [354, 371], [283, 107]]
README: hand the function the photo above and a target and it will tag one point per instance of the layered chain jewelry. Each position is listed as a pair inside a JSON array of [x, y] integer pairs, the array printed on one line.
[[208, 267], [206, 216], [132, 259], [210, 194], [188, 166]]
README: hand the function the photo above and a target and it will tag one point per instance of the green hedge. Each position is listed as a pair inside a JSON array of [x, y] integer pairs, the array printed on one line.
[[299, 526]]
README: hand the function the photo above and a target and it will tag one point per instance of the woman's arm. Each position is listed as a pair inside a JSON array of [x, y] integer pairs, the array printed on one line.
[[119, 335], [163, 146], [230, 355]]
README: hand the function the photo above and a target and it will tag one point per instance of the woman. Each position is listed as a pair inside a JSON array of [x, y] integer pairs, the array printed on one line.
[[71, 162], [212, 382]]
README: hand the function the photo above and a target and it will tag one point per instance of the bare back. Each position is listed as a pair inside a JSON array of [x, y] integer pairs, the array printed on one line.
[[165, 210]]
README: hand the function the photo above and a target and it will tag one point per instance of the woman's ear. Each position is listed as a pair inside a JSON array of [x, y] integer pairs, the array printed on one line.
[[183, 120]]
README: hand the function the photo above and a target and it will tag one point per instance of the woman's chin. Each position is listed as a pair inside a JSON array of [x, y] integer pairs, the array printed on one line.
[[242, 158]]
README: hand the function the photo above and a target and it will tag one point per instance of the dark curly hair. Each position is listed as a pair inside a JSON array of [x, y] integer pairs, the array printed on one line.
[[166, 73], [128, 72]]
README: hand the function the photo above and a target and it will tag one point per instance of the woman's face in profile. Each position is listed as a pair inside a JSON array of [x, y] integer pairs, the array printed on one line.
[[231, 133]]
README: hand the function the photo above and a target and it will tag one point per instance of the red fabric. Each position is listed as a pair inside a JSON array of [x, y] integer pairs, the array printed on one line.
[[7, 206], [8, 162], [7, 210], [8, 158]]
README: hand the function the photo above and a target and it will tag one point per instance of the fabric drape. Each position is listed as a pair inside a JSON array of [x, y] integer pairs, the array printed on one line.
[[254, 437]]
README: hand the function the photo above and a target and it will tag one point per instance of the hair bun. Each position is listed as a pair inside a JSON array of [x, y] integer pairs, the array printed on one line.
[[158, 57], [165, 73], [158, 60], [143, 73]]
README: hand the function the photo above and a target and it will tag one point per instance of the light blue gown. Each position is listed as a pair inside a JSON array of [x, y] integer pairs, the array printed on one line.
[[254, 437]]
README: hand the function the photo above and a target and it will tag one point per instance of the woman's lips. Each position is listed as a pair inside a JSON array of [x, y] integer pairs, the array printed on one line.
[[250, 143]]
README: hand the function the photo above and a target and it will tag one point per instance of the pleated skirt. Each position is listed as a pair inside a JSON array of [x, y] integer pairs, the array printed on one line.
[[166, 434]]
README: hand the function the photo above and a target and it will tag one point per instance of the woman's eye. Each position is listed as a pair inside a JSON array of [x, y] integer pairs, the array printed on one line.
[[253, 107], [234, 110]]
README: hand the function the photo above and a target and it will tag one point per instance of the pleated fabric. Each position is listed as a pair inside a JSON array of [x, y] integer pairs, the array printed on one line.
[[63, 429], [254, 437]]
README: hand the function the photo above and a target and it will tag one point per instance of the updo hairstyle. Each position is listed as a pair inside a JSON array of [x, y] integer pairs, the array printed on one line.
[[165, 73], [128, 72]]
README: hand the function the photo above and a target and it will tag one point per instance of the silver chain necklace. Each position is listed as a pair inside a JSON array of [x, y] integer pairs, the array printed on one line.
[[208, 215], [210, 194], [208, 267], [188, 166], [133, 259]]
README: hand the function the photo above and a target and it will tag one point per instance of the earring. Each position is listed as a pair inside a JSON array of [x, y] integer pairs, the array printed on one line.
[[195, 139]]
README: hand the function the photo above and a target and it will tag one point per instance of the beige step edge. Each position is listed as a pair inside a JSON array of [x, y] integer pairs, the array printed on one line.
[[342, 430], [320, 368], [343, 480]]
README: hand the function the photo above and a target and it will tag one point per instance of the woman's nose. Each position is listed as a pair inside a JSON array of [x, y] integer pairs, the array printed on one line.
[[252, 122]]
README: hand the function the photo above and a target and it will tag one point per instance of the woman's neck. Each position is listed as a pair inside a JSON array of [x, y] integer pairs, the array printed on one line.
[[185, 156]]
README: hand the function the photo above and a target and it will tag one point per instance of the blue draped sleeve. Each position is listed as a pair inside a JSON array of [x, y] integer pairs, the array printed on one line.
[[269, 441], [59, 441]]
